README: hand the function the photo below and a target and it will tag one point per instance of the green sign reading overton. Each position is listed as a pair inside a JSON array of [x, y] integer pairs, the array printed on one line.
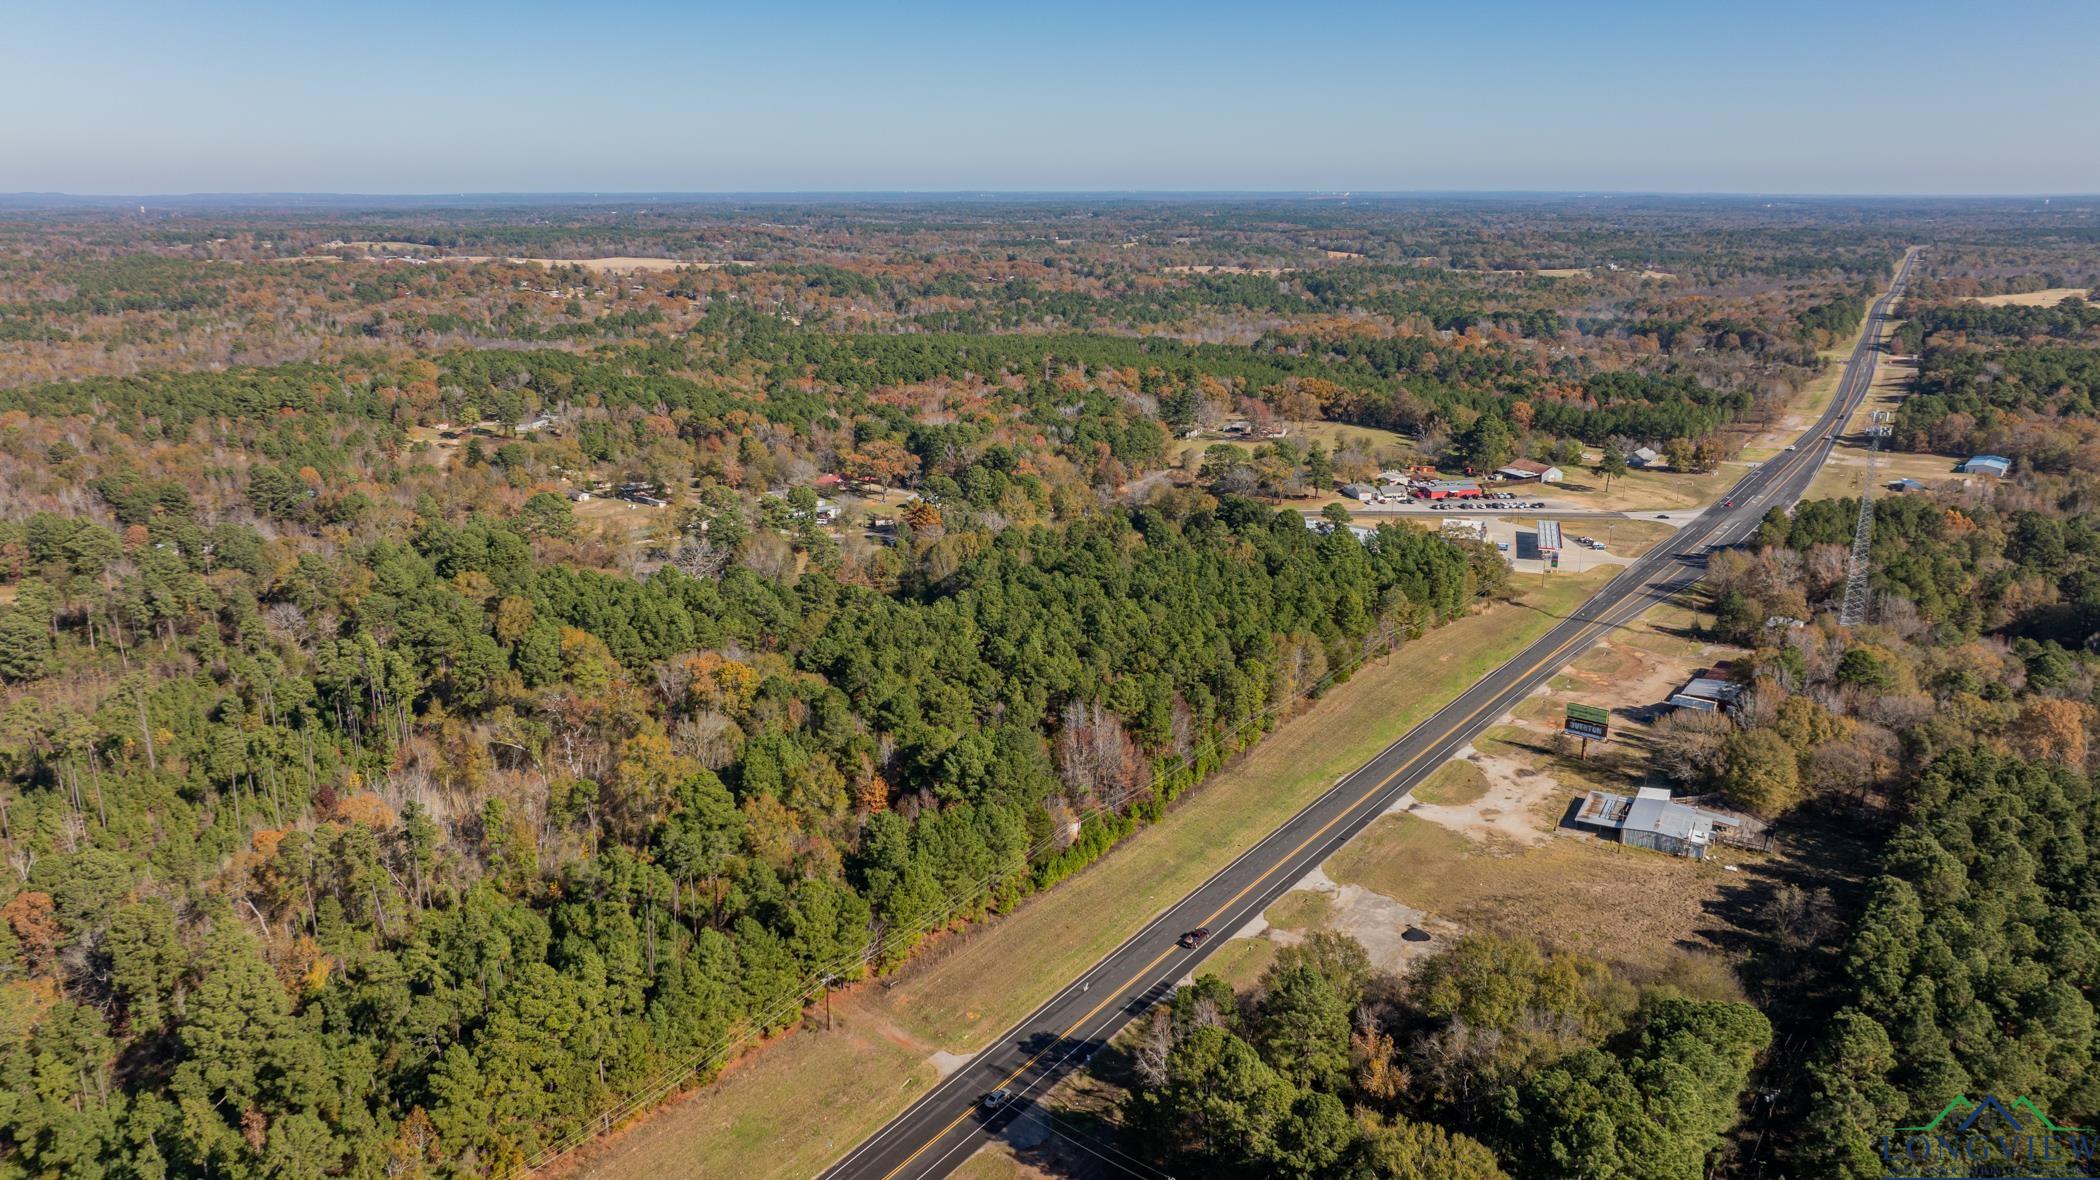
[[1588, 721]]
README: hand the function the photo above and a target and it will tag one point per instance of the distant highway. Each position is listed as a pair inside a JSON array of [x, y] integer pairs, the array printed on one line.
[[944, 1127]]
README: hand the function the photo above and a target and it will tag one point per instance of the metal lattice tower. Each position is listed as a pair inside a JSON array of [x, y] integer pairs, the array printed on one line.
[[1853, 612]]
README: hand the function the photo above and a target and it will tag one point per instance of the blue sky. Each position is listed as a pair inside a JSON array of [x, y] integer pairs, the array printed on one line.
[[124, 96]]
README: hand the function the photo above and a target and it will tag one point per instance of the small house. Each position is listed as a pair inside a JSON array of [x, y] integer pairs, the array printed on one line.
[[1996, 466], [1707, 692], [1323, 526], [1529, 469], [1644, 457]]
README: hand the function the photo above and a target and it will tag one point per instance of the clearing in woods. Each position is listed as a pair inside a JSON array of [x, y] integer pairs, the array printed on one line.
[[2048, 298]]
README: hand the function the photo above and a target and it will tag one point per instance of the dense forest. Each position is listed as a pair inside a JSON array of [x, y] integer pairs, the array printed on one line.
[[444, 695], [1488, 1061]]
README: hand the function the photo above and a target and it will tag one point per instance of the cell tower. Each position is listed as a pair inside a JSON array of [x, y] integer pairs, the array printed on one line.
[[1853, 612]]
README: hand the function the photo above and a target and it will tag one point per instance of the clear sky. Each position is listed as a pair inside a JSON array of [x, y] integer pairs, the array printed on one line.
[[1834, 96]]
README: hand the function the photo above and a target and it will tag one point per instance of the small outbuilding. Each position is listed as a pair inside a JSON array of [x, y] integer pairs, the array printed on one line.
[[1360, 491], [1644, 457], [1997, 466], [1906, 485], [1651, 820], [1528, 469], [1707, 693]]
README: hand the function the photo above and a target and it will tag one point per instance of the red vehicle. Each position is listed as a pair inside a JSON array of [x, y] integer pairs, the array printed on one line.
[[1195, 937]]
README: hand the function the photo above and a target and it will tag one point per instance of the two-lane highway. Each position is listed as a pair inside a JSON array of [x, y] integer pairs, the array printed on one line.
[[945, 1126]]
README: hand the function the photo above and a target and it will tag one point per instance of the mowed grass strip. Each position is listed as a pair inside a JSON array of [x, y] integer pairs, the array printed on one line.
[[802, 1102], [1241, 961], [1454, 784], [1300, 909]]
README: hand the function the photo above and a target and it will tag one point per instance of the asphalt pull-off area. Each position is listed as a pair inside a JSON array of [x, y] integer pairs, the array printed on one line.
[[948, 1124]]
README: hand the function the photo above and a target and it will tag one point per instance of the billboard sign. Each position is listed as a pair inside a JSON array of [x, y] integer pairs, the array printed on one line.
[[1588, 721]]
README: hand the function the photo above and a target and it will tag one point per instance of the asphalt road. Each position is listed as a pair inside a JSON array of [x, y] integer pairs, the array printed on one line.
[[943, 1128]]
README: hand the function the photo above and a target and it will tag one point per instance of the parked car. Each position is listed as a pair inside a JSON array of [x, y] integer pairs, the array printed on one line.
[[1194, 938]]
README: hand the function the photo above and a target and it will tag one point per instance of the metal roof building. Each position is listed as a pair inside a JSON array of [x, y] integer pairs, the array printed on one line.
[[1997, 465], [1706, 693], [1549, 536], [1651, 820]]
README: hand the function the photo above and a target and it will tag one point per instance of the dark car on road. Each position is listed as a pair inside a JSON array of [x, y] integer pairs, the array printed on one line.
[[1195, 937]]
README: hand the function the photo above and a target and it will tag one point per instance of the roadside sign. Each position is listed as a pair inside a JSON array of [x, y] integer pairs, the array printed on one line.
[[1588, 722]]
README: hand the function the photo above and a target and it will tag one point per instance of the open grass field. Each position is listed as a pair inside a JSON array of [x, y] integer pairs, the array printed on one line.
[[1385, 446], [1627, 906], [2048, 298], [1648, 491], [1847, 470], [756, 1121]]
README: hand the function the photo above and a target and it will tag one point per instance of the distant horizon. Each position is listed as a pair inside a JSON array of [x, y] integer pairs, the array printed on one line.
[[1321, 194], [1784, 97]]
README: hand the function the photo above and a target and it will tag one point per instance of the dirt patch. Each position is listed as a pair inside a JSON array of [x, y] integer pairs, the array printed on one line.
[[1503, 811], [945, 1063], [1382, 924]]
